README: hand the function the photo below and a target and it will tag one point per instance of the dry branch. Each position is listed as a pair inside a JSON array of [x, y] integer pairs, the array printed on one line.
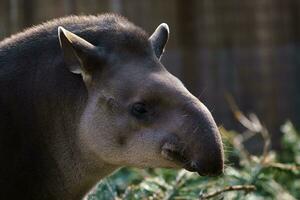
[[282, 166], [246, 188]]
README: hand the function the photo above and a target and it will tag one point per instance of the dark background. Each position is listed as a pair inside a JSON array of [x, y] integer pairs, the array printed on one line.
[[248, 49]]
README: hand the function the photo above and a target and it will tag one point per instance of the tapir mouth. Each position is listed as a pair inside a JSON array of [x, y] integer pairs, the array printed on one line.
[[173, 153]]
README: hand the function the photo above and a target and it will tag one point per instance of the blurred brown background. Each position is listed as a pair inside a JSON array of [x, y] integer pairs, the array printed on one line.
[[249, 49]]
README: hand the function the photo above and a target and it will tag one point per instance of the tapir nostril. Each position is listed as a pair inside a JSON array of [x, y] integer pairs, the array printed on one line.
[[205, 167], [191, 166], [210, 169]]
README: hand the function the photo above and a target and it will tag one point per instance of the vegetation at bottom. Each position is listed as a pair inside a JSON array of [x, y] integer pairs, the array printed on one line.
[[270, 175]]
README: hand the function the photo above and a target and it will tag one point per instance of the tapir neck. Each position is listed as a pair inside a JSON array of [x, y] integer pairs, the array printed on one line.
[[81, 189], [81, 178], [75, 171]]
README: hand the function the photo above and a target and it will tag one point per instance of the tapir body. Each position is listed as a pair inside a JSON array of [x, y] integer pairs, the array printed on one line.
[[82, 96]]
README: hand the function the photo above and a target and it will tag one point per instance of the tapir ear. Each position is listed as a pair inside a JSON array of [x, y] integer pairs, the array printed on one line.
[[159, 39], [78, 53]]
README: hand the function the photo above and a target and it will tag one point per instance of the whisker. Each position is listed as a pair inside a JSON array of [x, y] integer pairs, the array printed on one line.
[[196, 129], [203, 91]]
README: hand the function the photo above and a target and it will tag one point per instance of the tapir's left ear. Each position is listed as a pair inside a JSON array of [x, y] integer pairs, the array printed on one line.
[[159, 39], [79, 54]]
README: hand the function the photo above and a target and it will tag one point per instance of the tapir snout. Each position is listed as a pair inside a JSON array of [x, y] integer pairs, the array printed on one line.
[[207, 156], [200, 148]]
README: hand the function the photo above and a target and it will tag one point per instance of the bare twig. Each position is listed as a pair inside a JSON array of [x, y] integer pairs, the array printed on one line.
[[237, 142], [267, 144], [285, 167], [247, 123], [253, 124], [246, 188]]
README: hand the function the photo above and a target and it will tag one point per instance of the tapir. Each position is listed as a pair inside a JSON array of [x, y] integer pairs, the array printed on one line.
[[82, 96]]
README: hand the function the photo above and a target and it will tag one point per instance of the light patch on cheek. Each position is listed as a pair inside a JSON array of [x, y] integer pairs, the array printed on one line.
[[139, 149], [144, 150], [92, 131]]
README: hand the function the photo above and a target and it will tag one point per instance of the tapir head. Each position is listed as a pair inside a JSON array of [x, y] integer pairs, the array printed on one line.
[[137, 113]]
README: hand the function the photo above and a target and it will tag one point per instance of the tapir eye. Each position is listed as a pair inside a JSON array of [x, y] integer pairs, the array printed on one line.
[[139, 109]]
